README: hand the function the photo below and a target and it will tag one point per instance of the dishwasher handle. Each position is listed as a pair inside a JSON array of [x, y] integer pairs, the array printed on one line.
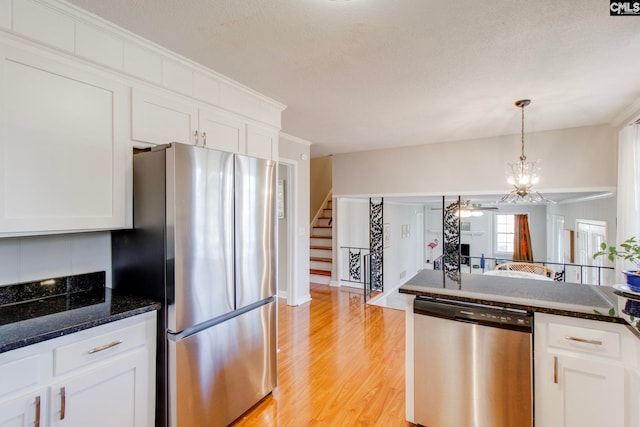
[[463, 320]]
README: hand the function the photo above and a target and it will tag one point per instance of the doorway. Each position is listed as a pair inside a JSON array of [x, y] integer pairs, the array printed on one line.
[[285, 217], [589, 235]]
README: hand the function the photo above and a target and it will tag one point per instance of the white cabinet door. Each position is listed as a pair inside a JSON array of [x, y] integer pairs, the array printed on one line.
[[580, 393], [262, 142], [111, 394], [65, 159], [158, 119], [222, 132], [26, 410]]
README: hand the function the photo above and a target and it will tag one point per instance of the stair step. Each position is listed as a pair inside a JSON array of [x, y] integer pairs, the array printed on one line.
[[321, 280], [322, 226], [320, 259], [315, 236], [319, 272], [320, 247], [322, 231]]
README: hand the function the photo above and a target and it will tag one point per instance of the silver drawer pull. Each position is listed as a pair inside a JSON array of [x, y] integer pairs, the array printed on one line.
[[583, 340], [105, 347]]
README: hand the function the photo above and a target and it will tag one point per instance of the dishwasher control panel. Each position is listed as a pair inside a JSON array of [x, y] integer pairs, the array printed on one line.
[[474, 313]]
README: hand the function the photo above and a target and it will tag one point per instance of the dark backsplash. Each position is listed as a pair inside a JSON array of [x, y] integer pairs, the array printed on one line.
[[50, 288]]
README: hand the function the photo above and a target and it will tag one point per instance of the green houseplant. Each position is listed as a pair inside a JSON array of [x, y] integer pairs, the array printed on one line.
[[629, 250]]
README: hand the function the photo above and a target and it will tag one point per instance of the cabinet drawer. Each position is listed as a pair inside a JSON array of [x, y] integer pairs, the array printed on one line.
[[97, 348], [585, 340], [19, 374]]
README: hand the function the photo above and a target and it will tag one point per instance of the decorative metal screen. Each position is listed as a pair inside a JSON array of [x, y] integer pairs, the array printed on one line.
[[376, 243], [451, 235], [355, 274]]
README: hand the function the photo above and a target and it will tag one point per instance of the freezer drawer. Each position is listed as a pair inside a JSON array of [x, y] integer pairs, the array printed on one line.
[[220, 372]]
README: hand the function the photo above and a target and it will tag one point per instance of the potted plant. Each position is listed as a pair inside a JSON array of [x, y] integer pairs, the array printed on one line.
[[629, 250]]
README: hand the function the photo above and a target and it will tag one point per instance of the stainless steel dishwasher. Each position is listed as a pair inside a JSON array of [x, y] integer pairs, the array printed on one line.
[[472, 365]]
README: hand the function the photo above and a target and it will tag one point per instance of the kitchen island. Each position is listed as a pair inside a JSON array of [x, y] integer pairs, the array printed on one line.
[[586, 361]]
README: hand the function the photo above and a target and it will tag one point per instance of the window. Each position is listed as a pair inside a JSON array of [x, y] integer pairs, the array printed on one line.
[[504, 233]]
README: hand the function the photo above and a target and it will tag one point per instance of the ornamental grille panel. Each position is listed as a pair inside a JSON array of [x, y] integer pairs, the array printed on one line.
[[451, 235], [376, 236], [355, 274]]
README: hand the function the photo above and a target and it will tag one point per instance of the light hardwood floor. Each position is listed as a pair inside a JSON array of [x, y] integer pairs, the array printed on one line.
[[341, 363]]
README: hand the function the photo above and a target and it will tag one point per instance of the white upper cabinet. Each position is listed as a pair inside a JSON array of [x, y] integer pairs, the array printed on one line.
[[64, 152], [162, 118], [158, 119], [222, 132], [262, 142]]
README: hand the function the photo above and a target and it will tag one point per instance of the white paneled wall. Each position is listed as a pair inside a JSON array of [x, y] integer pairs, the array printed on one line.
[[23, 259]]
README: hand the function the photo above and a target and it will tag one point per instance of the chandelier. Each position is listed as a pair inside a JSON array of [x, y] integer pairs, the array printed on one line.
[[522, 175]]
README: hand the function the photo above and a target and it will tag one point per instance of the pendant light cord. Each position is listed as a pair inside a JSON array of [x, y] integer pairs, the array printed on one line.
[[522, 157]]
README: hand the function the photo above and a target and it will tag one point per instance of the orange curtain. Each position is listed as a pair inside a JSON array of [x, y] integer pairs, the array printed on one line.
[[522, 239]]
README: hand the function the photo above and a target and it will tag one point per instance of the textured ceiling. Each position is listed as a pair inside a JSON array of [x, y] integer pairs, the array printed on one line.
[[367, 74]]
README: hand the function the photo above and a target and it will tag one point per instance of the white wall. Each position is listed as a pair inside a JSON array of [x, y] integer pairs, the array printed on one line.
[[601, 209], [25, 259], [352, 230], [571, 160], [399, 259], [296, 152]]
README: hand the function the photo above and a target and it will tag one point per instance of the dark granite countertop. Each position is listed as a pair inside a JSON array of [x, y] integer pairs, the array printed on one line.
[[35, 312], [566, 299]]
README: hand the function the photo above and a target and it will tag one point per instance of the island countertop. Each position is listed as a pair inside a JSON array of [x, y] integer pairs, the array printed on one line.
[[567, 299]]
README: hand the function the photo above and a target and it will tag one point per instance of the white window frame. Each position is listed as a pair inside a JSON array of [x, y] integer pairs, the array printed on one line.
[[502, 254]]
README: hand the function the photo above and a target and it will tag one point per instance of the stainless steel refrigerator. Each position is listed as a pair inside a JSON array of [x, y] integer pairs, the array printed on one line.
[[203, 244]]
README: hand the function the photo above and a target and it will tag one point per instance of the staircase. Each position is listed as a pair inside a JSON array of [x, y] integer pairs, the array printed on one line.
[[320, 248]]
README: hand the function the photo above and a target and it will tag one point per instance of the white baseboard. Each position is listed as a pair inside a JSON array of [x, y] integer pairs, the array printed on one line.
[[303, 299]]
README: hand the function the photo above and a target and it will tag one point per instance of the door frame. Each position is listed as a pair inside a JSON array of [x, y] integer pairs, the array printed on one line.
[[291, 212]]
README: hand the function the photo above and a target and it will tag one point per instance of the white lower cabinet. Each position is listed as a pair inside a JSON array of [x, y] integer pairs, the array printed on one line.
[[118, 386], [100, 377], [583, 373], [24, 410]]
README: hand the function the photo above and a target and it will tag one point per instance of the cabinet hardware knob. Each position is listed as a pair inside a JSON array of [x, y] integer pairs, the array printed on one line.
[[63, 402], [37, 420], [583, 340], [105, 347], [197, 137], [204, 139], [555, 369]]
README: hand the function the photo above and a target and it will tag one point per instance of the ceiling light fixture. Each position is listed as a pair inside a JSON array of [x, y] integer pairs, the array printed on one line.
[[522, 175], [468, 209]]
